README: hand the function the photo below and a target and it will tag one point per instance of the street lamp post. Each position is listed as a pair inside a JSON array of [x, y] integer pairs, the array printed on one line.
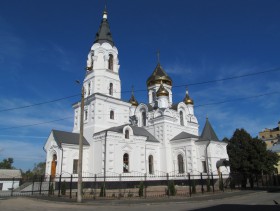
[[80, 161]]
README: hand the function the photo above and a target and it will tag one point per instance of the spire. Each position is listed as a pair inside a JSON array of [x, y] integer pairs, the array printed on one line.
[[208, 132], [132, 99], [187, 100], [104, 34]]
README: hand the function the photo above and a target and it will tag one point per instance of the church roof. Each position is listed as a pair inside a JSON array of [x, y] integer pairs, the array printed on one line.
[[159, 76], [67, 138], [183, 135], [208, 132], [104, 33], [138, 131]]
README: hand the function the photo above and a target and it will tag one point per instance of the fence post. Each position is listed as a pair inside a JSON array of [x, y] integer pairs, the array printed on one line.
[[95, 186], [190, 190], [71, 180], [145, 185], [201, 180], [212, 180], [33, 184], [41, 181], [222, 182], [167, 179], [59, 185], [12, 187]]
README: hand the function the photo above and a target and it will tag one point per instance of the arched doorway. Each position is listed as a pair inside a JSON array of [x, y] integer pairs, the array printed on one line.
[[53, 166]]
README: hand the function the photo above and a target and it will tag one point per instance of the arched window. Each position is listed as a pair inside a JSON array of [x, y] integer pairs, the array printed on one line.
[[154, 96], [143, 118], [111, 89], [89, 89], [151, 164], [127, 134], [125, 162], [180, 164], [111, 114], [181, 118], [110, 62], [86, 115]]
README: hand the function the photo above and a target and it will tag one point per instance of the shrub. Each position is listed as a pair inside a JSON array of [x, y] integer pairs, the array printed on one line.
[[63, 188], [208, 185], [171, 190], [141, 189], [102, 191], [51, 190], [193, 187]]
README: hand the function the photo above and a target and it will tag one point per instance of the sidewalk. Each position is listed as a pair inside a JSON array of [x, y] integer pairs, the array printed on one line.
[[129, 201]]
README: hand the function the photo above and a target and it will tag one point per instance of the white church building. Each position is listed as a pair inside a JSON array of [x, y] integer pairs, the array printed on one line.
[[127, 137]]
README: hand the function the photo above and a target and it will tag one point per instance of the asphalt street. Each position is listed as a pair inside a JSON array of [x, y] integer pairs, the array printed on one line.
[[264, 201]]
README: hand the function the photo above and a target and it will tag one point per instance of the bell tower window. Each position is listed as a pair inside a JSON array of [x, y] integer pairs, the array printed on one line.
[[181, 118], [143, 118], [111, 89], [110, 62], [127, 134], [111, 114]]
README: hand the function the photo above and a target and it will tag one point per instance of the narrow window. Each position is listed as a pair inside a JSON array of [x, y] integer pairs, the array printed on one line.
[[111, 89], [204, 169], [125, 162], [180, 164], [75, 166], [89, 89], [1, 186], [151, 164], [86, 114], [143, 118], [181, 118], [154, 96], [110, 63], [127, 134], [111, 114]]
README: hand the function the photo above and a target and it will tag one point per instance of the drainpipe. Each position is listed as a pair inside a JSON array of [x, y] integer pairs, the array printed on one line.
[[105, 152], [206, 157]]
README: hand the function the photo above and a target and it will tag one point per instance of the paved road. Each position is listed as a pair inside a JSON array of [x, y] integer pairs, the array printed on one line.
[[262, 201]]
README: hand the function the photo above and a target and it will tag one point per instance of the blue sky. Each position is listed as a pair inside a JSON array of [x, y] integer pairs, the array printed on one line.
[[44, 47]]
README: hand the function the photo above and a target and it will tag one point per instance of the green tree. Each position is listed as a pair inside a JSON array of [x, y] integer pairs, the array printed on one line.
[[7, 164], [249, 156]]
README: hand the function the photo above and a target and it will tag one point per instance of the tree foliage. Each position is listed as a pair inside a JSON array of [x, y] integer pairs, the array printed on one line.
[[248, 155], [7, 163], [38, 170]]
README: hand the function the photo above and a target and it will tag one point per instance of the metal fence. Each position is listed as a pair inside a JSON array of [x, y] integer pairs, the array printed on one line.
[[135, 185]]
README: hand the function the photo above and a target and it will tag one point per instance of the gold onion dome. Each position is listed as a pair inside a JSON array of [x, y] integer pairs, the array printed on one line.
[[162, 91], [187, 99], [133, 101], [159, 76]]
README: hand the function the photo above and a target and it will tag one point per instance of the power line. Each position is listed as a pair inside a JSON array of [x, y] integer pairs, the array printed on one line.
[[40, 123], [237, 99], [202, 105], [36, 104], [142, 90]]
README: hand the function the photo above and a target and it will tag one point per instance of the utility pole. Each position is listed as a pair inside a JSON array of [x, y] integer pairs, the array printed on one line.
[[80, 161]]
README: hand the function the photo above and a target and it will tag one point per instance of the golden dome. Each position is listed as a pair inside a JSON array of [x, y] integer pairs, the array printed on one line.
[[133, 101], [162, 91], [159, 76], [187, 99]]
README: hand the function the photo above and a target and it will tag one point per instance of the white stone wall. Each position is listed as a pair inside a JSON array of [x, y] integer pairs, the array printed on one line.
[[9, 184]]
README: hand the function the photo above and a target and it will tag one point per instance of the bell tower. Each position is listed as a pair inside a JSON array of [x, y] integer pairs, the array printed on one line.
[[102, 74]]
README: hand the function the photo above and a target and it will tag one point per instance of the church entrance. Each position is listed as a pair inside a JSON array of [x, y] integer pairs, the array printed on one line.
[[53, 166]]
